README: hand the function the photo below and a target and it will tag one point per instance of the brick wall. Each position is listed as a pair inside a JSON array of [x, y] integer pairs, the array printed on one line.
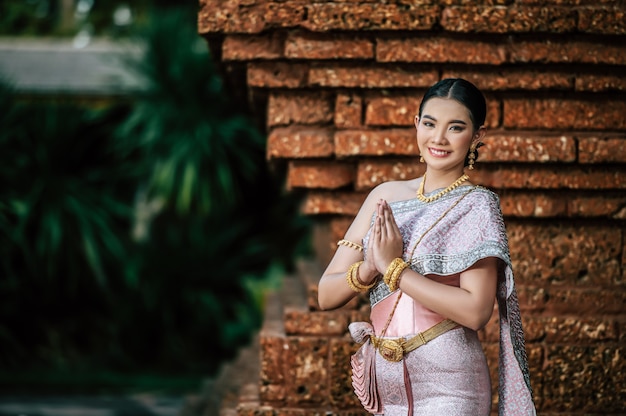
[[336, 85]]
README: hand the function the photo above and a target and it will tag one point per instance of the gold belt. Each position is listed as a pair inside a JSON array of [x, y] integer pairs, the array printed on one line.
[[393, 349]]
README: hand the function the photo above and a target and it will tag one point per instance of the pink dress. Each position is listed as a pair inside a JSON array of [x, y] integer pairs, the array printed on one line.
[[449, 375]]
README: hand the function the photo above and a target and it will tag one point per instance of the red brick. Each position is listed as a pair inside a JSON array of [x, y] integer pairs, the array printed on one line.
[[568, 51], [583, 379], [341, 392], [304, 45], [229, 16], [577, 330], [602, 20], [516, 79], [284, 14], [392, 111], [602, 149], [561, 204], [533, 205], [552, 113], [299, 108], [245, 47], [320, 174], [597, 83], [373, 172], [272, 378], [370, 76], [399, 142], [588, 302], [348, 109], [503, 147], [302, 322], [439, 49], [306, 370], [561, 253], [497, 19], [494, 112], [339, 203], [548, 177], [299, 142], [598, 206], [277, 75], [327, 16]]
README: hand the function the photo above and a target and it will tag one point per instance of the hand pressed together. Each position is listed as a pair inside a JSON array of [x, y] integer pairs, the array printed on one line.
[[385, 243]]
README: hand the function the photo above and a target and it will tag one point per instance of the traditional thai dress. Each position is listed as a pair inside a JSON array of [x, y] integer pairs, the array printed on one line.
[[449, 374]]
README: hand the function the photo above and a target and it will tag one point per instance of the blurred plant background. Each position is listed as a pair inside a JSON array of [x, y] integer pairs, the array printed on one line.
[[137, 237]]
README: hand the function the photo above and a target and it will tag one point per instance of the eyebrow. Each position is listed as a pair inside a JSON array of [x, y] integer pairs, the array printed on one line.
[[451, 121]]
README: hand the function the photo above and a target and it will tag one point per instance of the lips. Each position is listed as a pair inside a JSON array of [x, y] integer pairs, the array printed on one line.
[[438, 152]]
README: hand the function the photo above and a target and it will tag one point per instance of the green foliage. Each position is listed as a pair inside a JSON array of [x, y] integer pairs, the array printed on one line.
[[140, 238]]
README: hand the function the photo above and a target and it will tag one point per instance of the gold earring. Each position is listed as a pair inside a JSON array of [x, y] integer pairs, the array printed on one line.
[[421, 159], [472, 157]]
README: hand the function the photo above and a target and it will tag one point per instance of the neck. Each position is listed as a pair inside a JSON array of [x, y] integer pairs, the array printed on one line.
[[438, 179]]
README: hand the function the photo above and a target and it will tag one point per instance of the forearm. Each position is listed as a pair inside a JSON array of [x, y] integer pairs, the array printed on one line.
[[472, 310], [334, 290]]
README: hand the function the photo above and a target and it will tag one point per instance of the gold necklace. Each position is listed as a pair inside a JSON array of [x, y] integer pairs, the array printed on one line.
[[453, 186]]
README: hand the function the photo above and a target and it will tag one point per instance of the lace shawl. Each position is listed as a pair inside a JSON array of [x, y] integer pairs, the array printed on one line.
[[471, 231]]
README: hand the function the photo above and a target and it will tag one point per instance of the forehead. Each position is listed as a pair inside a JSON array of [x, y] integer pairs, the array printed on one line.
[[441, 108]]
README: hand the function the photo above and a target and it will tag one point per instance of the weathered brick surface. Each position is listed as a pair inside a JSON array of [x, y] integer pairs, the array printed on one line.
[[602, 20], [306, 370], [299, 142], [502, 147], [338, 75], [437, 49], [516, 79], [553, 114], [370, 16], [337, 203], [304, 45], [568, 50], [245, 48], [602, 149], [320, 174], [400, 142], [348, 109], [272, 377], [512, 19], [599, 83], [373, 172], [298, 108], [565, 254], [302, 322], [584, 379], [277, 75]]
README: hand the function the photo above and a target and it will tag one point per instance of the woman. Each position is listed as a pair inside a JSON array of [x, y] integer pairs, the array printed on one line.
[[433, 254]]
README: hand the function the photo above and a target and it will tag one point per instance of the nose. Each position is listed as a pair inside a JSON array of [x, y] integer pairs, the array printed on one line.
[[438, 136]]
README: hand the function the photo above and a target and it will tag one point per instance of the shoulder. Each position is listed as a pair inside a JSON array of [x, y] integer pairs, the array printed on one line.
[[392, 191], [485, 196]]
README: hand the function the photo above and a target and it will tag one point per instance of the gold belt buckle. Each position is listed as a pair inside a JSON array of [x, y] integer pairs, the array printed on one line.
[[392, 349]]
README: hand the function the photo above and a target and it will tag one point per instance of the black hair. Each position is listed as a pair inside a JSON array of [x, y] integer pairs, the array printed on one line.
[[465, 93]]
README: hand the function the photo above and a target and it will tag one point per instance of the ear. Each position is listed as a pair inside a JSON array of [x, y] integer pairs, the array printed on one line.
[[478, 136], [417, 121]]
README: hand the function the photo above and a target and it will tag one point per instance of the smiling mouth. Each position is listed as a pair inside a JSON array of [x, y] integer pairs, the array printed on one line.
[[437, 152]]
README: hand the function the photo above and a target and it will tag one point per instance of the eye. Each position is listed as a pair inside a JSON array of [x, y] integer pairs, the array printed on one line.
[[428, 123], [457, 128]]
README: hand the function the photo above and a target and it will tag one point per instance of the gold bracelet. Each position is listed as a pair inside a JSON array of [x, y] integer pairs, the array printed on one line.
[[353, 279], [394, 281], [350, 244], [392, 266]]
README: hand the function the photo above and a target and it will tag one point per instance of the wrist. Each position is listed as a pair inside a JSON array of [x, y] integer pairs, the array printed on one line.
[[367, 274]]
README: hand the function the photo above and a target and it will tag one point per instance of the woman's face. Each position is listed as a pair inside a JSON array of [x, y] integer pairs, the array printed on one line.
[[445, 133]]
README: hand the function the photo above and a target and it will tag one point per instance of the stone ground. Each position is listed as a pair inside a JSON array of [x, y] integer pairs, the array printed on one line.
[[217, 397]]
